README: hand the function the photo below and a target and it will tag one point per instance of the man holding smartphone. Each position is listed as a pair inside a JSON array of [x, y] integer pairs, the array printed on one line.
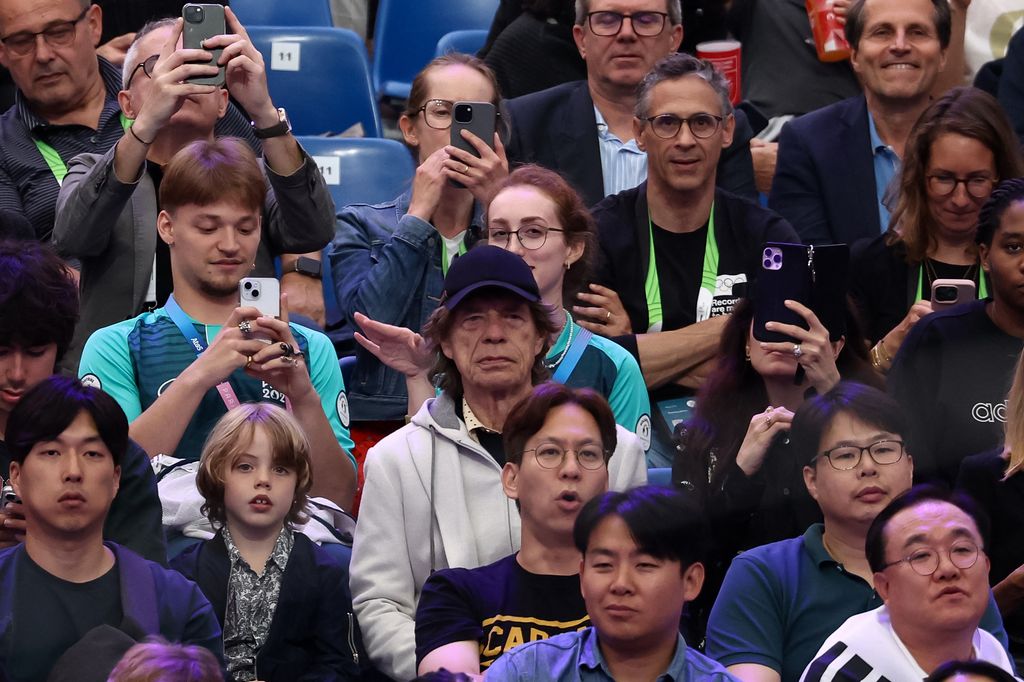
[[109, 203], [175, 371]]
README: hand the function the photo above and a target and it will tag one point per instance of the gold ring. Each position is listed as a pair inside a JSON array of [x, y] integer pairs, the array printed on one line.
[[465, 168], [608, 317], [248, 361]]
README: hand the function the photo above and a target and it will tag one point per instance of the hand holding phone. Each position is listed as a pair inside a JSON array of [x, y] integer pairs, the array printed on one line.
[[201, 22]]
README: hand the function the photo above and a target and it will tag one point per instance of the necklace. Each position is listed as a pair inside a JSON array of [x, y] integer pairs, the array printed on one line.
[[932, 275], [568, 343]]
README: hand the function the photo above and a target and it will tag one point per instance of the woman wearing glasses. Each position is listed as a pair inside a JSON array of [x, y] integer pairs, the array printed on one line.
[[389, 260], [957, 153]]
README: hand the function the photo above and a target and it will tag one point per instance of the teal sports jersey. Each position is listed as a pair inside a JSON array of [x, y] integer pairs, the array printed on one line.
[[609, 369], [136, 360]]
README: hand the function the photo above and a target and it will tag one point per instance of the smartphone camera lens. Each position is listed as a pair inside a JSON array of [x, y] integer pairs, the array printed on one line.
[[194, 15], [945, 294], [248, 285], [256, 293], [463, 113]]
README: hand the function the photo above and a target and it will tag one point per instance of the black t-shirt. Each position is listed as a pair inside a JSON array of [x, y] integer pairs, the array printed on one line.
[[51, 614], [500, 605], [951, 376], [679, 288]]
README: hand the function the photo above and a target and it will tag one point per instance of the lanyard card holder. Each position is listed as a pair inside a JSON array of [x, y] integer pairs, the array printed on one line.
[[812, 275]]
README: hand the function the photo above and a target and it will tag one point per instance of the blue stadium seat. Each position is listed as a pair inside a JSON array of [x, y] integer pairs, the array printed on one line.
[[407, 32], [321, 76], [369, 170], [278, 13], [660, 476], [468, 42]]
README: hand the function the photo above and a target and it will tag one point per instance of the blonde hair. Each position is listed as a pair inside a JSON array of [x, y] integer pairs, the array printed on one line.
[[160, 661], [1014, 428], [229, 438]]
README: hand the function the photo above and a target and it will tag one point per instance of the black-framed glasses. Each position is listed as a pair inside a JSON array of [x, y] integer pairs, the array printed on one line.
[[552, 455], [147, 67], [645, 24], [925, 561], [846, 457], [59, 34], [978, 186], [702, 126], [532, 237]]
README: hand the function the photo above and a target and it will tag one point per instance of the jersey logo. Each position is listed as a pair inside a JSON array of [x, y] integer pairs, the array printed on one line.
[[643, 431], [92, 381], [342, 407]]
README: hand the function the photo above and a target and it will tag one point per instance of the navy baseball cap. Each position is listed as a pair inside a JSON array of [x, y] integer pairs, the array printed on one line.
[[488, 266]]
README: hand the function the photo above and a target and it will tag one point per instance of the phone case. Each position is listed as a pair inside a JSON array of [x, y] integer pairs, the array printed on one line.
[[966, 290], [263, 293], [481, 125], [812, 275], [193, 35]]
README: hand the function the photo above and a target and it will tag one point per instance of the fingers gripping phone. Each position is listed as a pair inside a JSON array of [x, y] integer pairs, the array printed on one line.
[[202, 21], [947, 293], [478, 118], [262, 293]]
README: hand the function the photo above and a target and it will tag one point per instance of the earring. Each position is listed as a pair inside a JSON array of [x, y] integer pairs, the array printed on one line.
[[568, 265], [747, 353]]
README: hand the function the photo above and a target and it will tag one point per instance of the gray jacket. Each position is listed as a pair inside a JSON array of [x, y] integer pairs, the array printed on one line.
[[110, 226]]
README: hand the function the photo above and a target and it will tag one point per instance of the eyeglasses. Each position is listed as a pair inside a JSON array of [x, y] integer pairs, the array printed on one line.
[[645, 24], [60, 34], [147, 67], [552, 455], [979, 186], [702, 126], [846, 457], [925, 561], [532, 237]]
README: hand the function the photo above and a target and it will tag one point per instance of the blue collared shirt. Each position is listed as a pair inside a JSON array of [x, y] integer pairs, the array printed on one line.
[[887, 165], [623, 165], [576, 656]]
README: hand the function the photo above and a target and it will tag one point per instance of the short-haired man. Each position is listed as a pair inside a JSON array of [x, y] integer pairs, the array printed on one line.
[[176, 370], [490, 336], [64, 592], [584, 129], [557, 442], [38, 311], [780, 601], [677, 250], [65, 105], [835, 164], [927, 552], [642, 552], [108, 204]]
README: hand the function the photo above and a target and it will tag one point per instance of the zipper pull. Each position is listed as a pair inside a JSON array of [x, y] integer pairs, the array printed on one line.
[[810, 263]]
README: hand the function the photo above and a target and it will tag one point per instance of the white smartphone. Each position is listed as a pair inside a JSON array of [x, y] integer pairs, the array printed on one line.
[[262, 293]]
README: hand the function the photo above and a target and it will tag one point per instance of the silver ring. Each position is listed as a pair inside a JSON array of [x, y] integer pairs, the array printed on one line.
[[287, 350], [767, 423], [797, 350], [245, 326]]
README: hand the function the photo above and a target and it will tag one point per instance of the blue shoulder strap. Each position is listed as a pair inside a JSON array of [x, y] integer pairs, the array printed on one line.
[[572, 356]]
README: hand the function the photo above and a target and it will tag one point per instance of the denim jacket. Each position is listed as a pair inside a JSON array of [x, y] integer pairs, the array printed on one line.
[[386, 264]]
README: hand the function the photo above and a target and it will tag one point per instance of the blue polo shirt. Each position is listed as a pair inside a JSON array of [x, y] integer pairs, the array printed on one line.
[[780, 601], [887, 165]]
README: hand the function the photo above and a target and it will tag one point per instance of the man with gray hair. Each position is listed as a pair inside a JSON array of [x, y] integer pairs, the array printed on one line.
[[653, 237], [584, 129]]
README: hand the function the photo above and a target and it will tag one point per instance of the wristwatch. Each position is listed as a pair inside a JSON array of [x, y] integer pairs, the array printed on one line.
[[310, 267], [282, 127]]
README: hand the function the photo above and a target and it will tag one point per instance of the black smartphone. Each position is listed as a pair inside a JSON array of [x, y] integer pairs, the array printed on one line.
[[202, 21], [478, 118], [812, 275]]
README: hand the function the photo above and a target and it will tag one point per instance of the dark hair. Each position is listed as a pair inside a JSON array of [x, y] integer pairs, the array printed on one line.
[[869, 405], [575, 220], [991, 215], [673, 67], [663, 522], [439, 326], [530, 413], [874, 542], [47, 409], [205, 172], [38, 297], [855, 22], [734, 392], [964, 111], [949, 669]]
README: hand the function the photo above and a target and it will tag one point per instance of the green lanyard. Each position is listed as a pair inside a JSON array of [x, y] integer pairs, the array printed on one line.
[[708, 276], [982, 287], [444, 254], [53, 160]]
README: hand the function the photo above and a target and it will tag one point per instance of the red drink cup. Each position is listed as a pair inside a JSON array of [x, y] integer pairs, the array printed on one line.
[[725, 56], [829, 37]]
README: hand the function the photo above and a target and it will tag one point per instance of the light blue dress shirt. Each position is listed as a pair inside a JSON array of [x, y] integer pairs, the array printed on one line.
[[887, 166], [623, 165]]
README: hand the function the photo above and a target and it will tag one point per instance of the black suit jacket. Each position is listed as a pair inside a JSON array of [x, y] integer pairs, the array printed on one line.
[[825, 175], [312, 631], [556, 128]]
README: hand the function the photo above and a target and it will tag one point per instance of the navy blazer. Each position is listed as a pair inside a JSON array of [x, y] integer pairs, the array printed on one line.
[[825, 175], [556, 128], [312, 631]]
